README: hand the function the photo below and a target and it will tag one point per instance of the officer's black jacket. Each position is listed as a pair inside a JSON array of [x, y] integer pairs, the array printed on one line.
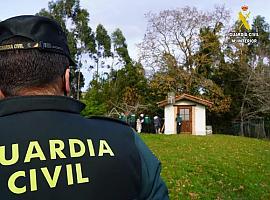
[[48, 151]]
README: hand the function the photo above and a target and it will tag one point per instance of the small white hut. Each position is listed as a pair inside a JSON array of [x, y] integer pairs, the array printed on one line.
[[191, 109]]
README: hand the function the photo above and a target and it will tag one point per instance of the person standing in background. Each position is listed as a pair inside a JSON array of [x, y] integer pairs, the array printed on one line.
[[147, 122], [132, 121], [178, 123], [138, 125], [142, 122], [123, 117], [157, 124]]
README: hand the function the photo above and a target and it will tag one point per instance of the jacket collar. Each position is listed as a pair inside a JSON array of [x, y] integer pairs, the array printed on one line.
[[20, 104]]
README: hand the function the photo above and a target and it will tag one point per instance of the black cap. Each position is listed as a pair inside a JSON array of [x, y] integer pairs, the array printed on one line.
[[46, 34]]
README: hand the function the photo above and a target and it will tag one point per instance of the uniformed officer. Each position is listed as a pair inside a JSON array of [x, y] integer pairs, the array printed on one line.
[[132, 121], [147, 123], [178, 123], [157, 124], [47, 150]]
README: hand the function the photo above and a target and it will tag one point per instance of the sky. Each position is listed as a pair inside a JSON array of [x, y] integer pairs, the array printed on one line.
[[129, 16]]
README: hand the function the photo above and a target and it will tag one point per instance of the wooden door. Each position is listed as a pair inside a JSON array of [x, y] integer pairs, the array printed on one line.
[[186, 114]]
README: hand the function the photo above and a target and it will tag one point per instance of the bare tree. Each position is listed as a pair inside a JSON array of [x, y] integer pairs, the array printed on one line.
[[256, 98], [127, 109], [176, 33]]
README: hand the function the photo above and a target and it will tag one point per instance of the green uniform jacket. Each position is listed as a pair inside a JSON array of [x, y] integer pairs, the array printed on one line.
[[48, 151]]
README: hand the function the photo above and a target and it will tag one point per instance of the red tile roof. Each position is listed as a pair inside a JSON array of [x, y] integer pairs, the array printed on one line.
[[187, 97]]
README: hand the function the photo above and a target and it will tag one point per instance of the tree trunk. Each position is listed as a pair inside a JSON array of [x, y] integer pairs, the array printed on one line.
[[78, 84], [242, 108]]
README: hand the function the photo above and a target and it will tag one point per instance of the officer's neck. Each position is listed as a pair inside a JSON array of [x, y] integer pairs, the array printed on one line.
[[35, 93], [2, 96]]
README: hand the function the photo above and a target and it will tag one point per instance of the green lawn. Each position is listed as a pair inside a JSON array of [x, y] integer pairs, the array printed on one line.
[[213, 167]]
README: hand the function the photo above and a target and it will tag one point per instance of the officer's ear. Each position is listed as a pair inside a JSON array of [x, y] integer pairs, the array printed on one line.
[[67, 82], [2, 96]]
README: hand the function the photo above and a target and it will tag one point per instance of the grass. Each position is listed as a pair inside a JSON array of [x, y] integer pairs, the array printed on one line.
[[213, 167]]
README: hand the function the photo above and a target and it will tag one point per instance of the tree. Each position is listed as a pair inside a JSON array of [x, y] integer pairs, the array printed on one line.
[[183, 46], [176, 33], [125, 87], [209, 61], [120, 46], [95, 100], [256, 100], [246, 75], [78, 81], [209, 56], [103, 47], [74, 21], [128, 88]]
